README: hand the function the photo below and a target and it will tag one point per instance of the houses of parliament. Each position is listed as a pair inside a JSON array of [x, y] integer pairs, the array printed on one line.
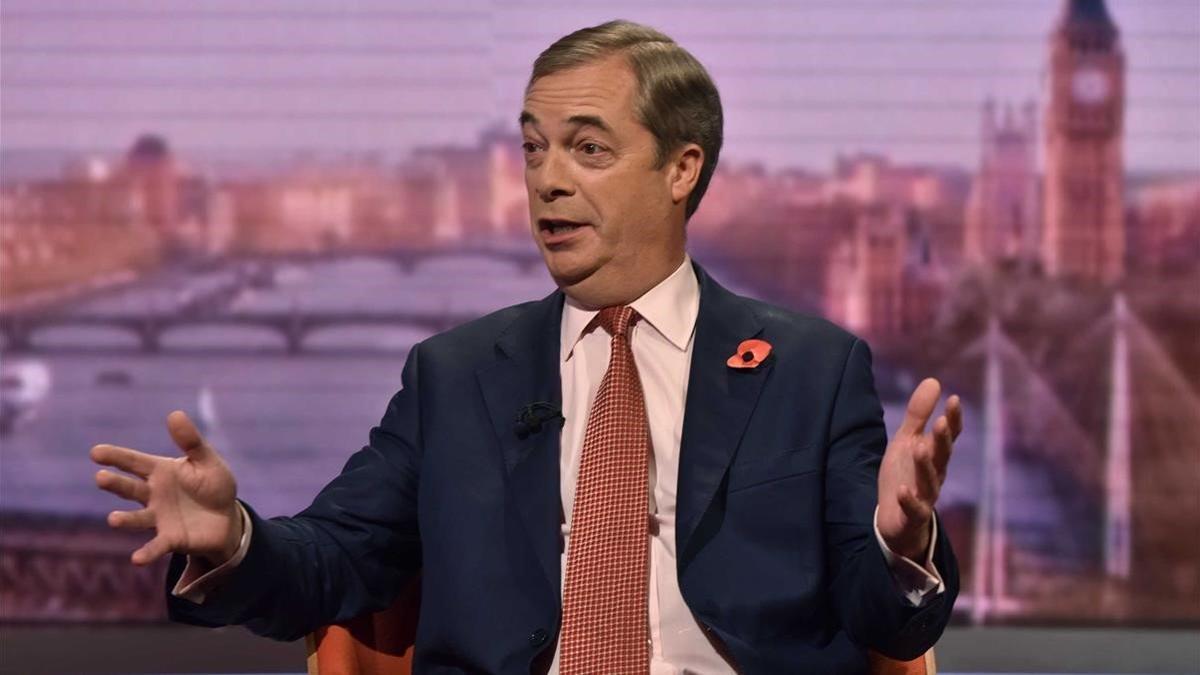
[[1070, 220]]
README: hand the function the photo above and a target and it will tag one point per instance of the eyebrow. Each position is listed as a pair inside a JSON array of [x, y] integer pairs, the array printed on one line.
[[578, 120]]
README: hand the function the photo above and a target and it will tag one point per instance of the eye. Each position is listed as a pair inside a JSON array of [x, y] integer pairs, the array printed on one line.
[[529, 147], [590, 148]]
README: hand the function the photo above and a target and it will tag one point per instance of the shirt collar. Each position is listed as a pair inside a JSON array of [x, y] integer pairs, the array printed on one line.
[[671, 307]]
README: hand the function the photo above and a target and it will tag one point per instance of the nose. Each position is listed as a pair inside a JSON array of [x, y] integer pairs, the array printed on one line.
[[552, 179]]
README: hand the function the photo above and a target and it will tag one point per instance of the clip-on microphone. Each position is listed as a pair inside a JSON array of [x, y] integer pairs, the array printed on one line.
[[531, 418]]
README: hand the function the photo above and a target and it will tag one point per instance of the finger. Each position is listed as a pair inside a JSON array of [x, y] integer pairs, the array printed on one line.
[[920, 406], [150, 551], [954, 415], [187, 436], [142, 519], [943, 446], [134, 489], [912, 505], [928, 482], [125, 459]]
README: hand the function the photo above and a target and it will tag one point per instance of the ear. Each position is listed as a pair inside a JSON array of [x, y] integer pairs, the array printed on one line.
[[685, 171]]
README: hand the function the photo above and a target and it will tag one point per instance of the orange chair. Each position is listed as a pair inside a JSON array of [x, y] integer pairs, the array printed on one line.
[[381, 644]]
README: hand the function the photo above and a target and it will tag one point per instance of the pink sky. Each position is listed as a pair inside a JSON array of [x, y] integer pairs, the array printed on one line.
[[800, 81]]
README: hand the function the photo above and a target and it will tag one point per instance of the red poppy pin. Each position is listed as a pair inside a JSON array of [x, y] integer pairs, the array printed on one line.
[[749, 354]]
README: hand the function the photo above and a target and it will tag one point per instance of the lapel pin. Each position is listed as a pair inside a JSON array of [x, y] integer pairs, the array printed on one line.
[[749, 354]]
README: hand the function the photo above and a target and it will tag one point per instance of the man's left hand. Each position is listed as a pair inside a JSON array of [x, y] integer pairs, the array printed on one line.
[[913, 470]]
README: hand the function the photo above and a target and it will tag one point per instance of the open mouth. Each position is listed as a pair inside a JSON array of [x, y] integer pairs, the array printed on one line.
[[557, 226]]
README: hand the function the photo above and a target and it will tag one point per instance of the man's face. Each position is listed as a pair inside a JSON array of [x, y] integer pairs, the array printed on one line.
[[599, 210]]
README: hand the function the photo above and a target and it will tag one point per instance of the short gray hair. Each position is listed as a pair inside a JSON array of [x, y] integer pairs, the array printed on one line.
[[676, 99]]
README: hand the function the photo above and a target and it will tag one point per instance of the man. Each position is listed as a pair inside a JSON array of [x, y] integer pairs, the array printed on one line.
[[641, 471]]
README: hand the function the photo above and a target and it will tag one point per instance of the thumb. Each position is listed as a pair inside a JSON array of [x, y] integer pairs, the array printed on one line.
[[187, 437], [920, 406]]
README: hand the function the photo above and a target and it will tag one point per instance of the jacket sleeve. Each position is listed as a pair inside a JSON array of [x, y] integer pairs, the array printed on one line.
[[350, 552], [868, 603]]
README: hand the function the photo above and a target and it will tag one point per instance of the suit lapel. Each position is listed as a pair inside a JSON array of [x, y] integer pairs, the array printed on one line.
[[719, 402], [527, 371]]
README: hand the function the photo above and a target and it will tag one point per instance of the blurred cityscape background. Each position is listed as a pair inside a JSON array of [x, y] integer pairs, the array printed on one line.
[[251, 211]]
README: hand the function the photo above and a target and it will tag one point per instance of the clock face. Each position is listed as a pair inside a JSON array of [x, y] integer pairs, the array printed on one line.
[[1090, 85]]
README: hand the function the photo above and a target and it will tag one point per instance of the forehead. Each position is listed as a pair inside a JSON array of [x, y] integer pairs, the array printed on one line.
[[605, 88]]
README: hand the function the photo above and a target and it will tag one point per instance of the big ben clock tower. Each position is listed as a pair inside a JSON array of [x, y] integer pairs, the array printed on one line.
[[1083, 235]]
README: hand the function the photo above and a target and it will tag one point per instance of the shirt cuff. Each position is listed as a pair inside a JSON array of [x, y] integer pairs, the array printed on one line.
[[917, 584], [199, 577]]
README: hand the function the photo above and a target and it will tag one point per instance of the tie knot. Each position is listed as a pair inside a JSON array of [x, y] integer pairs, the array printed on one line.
[[617, 319]]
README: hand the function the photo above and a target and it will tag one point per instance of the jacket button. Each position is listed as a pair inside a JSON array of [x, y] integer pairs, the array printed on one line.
[[538, 637]]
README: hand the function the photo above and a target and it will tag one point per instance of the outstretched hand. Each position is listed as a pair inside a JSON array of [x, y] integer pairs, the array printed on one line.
[[190, 501], [913, 470]]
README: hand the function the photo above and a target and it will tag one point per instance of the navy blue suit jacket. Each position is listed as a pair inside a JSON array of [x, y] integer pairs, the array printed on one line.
[[777, 555]]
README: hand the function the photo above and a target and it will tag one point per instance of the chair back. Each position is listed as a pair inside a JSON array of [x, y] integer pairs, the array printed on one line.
[[380, 643]]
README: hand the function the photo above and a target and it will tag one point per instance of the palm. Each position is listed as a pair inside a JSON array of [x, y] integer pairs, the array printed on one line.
[[914, 468], [190, 501], [896, 469]]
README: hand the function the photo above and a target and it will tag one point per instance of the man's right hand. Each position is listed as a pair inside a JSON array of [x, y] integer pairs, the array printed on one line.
[[191, 501]]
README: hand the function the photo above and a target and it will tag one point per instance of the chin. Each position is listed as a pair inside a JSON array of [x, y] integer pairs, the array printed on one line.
[[568, 269], [569, 276]]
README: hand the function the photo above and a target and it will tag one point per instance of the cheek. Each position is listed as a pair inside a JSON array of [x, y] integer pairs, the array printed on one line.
[[646, 202], [625, 204]]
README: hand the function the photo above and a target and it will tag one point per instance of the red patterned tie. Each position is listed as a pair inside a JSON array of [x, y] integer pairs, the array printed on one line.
[[605, 626]]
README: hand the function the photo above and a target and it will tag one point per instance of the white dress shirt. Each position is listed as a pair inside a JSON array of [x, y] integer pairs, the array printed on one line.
[[661, 342]]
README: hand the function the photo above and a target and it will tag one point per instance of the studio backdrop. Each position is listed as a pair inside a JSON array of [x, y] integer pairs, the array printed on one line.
[[251, 211]]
